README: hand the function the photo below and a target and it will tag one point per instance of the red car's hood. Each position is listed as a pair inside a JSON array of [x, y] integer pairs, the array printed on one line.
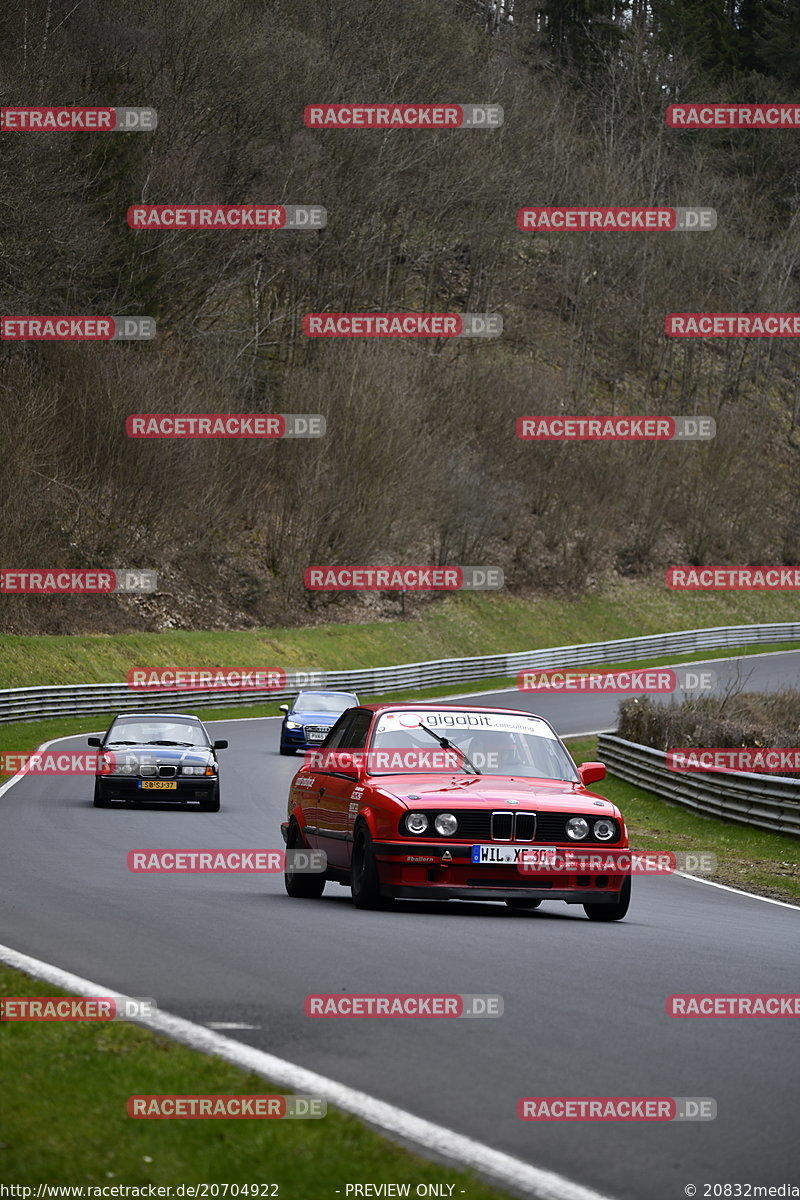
[[486, 791]]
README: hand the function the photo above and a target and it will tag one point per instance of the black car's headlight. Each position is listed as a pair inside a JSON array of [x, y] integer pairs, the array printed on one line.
[[190, 770]]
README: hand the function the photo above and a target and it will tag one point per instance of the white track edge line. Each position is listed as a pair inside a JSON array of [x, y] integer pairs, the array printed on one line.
[[519, 1177], [737, 891]]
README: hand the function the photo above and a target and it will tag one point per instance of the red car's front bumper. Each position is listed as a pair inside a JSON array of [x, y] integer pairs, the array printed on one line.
[[461, 879]]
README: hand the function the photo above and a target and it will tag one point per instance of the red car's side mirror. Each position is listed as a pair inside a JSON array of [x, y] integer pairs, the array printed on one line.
[[591, 772]]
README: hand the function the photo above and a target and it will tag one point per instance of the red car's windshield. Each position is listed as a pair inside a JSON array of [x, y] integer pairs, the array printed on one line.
[[496, 743]]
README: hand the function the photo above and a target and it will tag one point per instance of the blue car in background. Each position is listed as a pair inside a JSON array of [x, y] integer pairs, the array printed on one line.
[[309, 718]]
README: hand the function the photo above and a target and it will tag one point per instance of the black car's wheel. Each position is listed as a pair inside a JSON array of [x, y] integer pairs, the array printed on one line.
[[212, 805], [302, 885], [286, 749], [611, 912], [99, 801], [364, 882], [523, 903]]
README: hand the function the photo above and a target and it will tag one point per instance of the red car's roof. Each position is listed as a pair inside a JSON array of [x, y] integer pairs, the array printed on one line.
[[433, 706]]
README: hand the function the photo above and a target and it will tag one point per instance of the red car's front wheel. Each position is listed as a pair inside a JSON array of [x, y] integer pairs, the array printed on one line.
[[364, 882], [611, 912]]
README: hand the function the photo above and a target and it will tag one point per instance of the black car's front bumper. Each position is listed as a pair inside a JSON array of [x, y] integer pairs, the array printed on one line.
[[121, 790]]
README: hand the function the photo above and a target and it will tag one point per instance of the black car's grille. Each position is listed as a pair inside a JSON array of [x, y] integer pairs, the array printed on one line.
[[482, 825]]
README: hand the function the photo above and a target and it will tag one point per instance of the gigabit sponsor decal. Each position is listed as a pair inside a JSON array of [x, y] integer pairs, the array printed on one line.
[[209, 679], [615, 220], [73, 1008], [77, 329], [733, 116], [402, 324], [224, 1108], [732, 325], [225, 862], [773, 759], [644, 681], [225, 425], [57, 582], [551, 860], [616, 429], [394, 1004], [53, 120], [617, 1108], [755, 1004], [403, 116], [401, 579], [227, 216], [733, 579]]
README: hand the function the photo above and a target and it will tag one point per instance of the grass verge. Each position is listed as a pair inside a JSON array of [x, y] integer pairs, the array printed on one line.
[[63, 1119], [750, 859], [455, 626]]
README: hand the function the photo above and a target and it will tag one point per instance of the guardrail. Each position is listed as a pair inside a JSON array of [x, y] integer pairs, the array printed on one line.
[[766, 801], [34, 703]]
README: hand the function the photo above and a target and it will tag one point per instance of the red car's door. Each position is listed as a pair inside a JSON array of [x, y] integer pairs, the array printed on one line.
[[335, 784]]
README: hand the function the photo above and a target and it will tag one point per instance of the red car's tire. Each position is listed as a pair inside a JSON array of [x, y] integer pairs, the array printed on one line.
[[302, 885], [611, 912], [364, 882]]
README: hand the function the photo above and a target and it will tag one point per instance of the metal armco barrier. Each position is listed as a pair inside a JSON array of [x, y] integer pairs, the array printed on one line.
[[766, 801], [34, 703]]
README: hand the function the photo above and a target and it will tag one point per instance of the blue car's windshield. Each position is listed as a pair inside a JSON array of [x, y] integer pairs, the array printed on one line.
[[324, 702]]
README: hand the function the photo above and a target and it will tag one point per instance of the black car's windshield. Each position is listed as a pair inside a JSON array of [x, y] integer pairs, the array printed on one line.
[[140, 731], [496, 743], [324, 702]]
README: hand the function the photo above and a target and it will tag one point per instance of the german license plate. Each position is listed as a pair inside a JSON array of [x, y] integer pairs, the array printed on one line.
[[158, 785], [317, 737], [491, 855]]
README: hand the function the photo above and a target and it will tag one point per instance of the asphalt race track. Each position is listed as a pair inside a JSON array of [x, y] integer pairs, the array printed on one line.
[[584, 1002]]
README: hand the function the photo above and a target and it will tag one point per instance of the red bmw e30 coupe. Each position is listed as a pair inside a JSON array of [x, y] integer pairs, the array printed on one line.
[[433, 801]]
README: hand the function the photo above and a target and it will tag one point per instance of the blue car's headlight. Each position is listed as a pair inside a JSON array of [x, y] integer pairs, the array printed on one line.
[[293, 725]]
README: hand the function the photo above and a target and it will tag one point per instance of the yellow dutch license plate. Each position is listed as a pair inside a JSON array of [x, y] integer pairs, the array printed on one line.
[[158, 785]]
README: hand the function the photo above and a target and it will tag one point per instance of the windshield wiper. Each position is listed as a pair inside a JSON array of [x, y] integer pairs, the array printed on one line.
[[446, 744], [167, 743], [115, 743]]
